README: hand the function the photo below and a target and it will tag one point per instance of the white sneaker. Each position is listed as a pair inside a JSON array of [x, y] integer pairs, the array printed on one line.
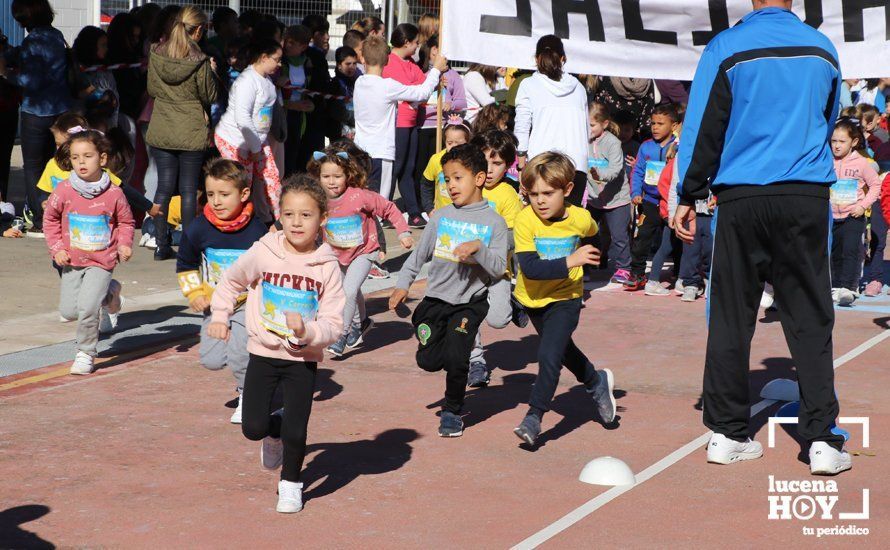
[[290, 497], [679, 287], [654, 288], [767, 300], [62, 319], [835, 295], [236, 416], [144, 239], [722, 450], [272, 453], [825, 460], [83, 364], [845, 297]]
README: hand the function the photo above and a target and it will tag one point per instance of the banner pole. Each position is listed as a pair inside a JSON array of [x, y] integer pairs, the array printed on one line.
[[439, 87]]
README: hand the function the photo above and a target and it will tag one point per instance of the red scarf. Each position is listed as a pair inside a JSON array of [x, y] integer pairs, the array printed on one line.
[[230, 226]]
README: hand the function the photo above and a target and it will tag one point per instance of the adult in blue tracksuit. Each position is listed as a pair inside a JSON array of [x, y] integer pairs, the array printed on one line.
[[764, 153]]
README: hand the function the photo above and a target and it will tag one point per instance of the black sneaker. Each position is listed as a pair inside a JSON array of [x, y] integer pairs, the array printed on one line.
[[164, 253], [529, 429], [479, 376], [450, 425], [417, 222], [519, 316], [356, 334]]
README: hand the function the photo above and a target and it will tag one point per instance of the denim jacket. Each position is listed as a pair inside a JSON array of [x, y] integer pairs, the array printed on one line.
[[41, 72]]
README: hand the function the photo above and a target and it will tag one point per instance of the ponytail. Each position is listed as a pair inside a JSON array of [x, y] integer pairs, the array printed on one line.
[[549, 56], [601, 113], [189, 18]]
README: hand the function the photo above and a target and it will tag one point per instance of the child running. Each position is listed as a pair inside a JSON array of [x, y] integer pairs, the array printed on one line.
[[294, 309], [857, 188], [500, 151], [89, 228], [433, 191], [467, 243], [550, 285], [351, 230], [208, 247], [650, 161]]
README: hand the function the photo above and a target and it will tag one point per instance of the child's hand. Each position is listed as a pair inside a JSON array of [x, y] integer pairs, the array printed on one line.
[[857, 212], [200, 303], [13, 233], [466, 250], [381, 256], [43, 204], [155, 210], [283, 81], [594, 174], [296, 324], [124, 253], [397, 297], [220, 331], [638, 200], [407, 242], [586, 255], [630, 159], [62, 258]]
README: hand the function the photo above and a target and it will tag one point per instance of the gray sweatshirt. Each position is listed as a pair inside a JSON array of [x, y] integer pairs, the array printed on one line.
[[612, 189], [450, 280]]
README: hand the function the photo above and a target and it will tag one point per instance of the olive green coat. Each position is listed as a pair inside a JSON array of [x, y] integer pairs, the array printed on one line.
[[183, 90]]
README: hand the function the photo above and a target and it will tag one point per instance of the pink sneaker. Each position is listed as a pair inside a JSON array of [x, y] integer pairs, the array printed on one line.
[[874, 288]]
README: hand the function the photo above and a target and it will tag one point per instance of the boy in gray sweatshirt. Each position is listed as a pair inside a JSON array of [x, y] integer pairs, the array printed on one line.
[[467, 243]]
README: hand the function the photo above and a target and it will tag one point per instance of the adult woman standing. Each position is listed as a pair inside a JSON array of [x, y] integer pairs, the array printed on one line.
[[182, 83], [42, 75], [551, 113]]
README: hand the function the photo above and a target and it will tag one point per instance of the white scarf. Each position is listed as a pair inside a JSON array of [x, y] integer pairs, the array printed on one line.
[[89, 189]]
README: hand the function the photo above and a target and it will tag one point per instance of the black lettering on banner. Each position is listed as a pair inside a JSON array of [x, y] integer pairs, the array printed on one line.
[[719, 22], [854, 27], [590, 8], [520, 25], [813, 10], [634, 30]]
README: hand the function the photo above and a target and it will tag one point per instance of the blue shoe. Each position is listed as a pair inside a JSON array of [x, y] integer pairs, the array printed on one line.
[[450, 425], [603, 395], [337, 348], [529, 429], [478, 377], [356, 334]]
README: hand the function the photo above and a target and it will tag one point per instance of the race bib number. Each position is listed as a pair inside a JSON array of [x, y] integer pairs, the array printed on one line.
[[654, 168], [598, 164], [345, 232], [276, 301], [452, 234], [217, 261], [845, 192], [89, 233], [264, 119], [554, 248]]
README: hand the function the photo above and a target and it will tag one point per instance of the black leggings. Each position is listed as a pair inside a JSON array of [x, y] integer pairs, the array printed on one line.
[[37, 149], [297, 380], [176, 170], [403, 168]]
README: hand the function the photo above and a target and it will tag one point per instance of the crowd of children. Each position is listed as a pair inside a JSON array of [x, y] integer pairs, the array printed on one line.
[[276, 257]]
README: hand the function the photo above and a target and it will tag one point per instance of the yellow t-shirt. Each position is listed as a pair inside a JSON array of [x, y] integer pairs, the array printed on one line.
[[433, 173], [52, 175], [551, 240], [505, 200]]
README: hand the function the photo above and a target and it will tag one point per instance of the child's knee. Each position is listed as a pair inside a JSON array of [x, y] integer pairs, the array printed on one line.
[[254, 429]]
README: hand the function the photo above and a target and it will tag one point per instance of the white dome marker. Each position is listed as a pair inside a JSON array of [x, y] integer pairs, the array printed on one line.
[[607, 470]]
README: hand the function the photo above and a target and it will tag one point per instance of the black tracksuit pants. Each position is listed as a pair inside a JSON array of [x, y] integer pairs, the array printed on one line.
[[447, 334], [781, 238], [297, 380]]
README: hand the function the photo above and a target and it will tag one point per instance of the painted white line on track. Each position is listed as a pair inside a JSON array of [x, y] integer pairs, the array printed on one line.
[[597, 502]]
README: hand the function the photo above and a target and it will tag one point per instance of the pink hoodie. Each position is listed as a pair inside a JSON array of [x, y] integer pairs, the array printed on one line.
[[277, 281], [855, 166], [90, 230], [351, 229]]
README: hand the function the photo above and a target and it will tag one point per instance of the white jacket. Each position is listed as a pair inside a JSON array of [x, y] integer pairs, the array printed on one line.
[[552, 116], [248, 118]]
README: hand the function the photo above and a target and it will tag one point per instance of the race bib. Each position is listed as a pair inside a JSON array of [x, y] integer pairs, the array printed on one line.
[[452, 234], [217, 261], [599, 164], [54, 181], [844, 192], [554, 248], [654, 168], [345, 232], [89, 233], [276, 301], [264, 119], [441, 188], [493, 205]]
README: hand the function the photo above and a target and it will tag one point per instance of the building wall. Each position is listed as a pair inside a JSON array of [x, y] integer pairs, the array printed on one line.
[[73, 15]]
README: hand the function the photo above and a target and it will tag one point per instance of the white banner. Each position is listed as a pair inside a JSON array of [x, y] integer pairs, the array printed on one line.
[[647, 38]]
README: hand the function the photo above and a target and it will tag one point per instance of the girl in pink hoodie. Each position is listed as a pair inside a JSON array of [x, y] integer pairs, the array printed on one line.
[[352, 232], [89, 228], [857, 188], [294, 309]]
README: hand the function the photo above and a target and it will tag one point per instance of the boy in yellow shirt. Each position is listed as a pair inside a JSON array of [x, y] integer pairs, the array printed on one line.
[[500, 152], [433, 192], [550, 285]]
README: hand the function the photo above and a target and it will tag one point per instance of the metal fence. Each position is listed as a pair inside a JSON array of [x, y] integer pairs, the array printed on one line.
[[13, 31]]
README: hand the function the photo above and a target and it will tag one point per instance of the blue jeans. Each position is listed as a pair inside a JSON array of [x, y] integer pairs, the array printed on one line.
[[874, 268], [614, 234], [697, 256], [670, 246], [176, 169], [403, 168]]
